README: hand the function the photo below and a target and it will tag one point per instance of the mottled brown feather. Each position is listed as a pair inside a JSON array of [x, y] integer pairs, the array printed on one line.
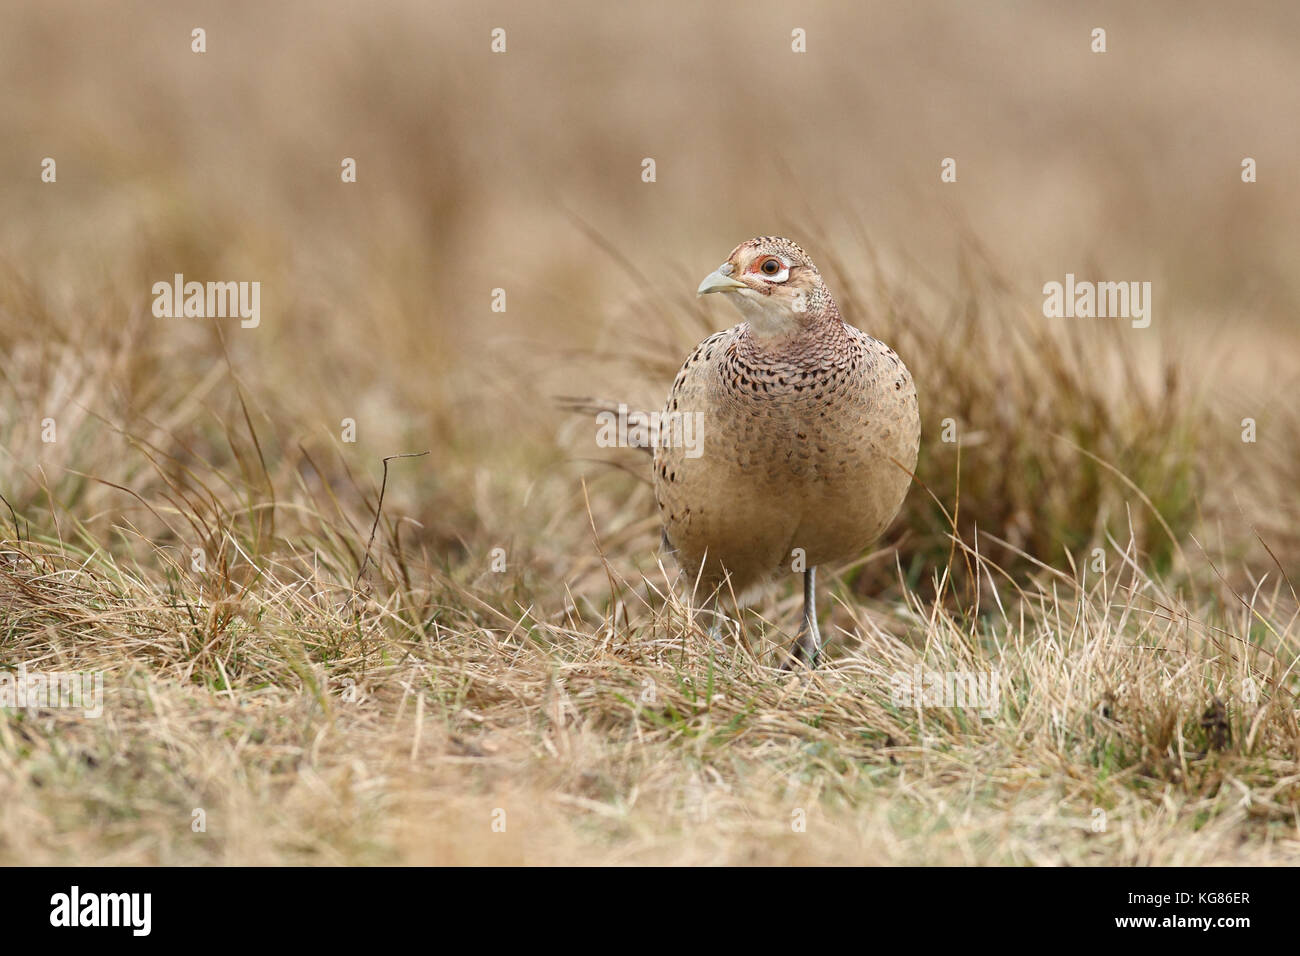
[[809, 441]]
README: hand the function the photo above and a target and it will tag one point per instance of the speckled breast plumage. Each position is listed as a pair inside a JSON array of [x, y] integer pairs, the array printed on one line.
[[810, 446]]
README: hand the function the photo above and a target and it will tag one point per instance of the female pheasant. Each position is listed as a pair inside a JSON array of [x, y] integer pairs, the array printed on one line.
[[810, 433]]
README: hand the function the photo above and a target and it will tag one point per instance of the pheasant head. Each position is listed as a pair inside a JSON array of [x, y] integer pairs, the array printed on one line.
[[775, 285]]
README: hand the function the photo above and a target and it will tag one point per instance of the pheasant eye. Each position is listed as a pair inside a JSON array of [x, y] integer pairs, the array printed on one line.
[[770, 267]]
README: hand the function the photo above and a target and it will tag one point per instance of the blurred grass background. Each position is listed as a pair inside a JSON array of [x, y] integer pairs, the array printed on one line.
[[477, 171]]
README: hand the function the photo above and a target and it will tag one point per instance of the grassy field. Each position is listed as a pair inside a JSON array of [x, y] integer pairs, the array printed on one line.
[[508, 671]]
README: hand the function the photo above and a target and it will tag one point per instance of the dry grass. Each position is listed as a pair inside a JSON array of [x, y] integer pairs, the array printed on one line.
[[322, 708]]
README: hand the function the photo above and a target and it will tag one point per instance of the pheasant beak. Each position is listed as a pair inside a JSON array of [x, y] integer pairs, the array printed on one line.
[[720, 281]]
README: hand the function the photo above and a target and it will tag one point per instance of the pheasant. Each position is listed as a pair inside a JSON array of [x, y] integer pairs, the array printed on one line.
[[809, 430]]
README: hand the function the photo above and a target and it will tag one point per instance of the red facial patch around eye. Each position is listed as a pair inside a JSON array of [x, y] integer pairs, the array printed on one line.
[[767, 266]]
